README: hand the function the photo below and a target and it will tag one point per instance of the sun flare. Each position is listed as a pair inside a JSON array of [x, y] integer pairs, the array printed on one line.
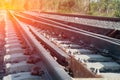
[[18, 4]]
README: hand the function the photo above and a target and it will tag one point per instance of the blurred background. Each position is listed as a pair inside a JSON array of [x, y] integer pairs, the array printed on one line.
[[110, 8]]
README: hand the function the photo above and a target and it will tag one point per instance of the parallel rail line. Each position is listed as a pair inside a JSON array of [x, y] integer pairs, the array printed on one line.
[[89, 34], [72, 27], [100, 25]]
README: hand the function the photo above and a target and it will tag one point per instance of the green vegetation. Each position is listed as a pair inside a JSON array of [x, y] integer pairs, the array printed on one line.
[[66, 6], [105, 8], [109, 8]]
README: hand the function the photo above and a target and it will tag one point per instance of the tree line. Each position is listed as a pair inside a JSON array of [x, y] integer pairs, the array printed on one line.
[[92, 7], [110, 8]]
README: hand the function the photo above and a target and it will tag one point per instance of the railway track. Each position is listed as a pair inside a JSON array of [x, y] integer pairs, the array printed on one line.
[[101, 25], [76, 50], [17, 65], [71, 27], [44, 49], [25, 57]]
